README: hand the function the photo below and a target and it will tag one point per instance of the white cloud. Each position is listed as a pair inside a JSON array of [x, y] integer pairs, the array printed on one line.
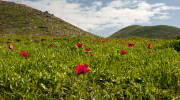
[[99, 17]]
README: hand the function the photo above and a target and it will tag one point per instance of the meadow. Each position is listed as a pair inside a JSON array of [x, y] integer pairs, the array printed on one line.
[[49, 71]]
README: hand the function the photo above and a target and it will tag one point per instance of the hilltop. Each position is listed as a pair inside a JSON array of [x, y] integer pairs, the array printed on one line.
[[21, 19], [159, 31]]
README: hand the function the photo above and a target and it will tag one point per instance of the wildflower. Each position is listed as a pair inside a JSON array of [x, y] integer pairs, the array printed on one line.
[[90, 90], [24, 54], [79, 44], [51, 45], [123, 51], [105, 40], [92, 54], [149, 51], [149, 46], [81, 69], [87, 49], [131, 44], [11, 47]]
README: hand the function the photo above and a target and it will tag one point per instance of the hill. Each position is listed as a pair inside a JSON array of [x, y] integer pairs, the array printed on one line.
[[159, 31], [21, 19]]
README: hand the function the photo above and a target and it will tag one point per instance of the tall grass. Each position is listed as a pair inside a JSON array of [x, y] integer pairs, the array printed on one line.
[[49, 72]]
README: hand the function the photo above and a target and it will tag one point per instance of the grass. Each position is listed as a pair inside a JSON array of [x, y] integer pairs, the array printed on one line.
[[48, 72]]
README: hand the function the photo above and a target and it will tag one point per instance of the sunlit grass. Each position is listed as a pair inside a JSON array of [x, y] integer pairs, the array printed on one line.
[[49, 71]]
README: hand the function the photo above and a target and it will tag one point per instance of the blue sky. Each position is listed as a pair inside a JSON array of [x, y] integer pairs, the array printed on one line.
[[104, 17]]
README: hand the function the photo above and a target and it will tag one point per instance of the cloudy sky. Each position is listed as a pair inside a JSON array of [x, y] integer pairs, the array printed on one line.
[[104, 17]]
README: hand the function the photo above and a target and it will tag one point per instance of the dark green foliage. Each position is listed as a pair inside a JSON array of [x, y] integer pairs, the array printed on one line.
[[177, 37], [160, 31], [176, 45]]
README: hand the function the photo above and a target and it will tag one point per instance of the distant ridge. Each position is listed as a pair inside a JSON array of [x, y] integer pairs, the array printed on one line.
[[159, 31], [21, 19]]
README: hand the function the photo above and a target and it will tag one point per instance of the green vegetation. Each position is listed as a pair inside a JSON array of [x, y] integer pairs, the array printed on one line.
[[48, 72], [20, 19], [48, 68], [175, 45], [160, 31]]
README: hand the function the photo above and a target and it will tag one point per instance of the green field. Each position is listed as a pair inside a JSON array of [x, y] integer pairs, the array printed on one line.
[[49, 72]]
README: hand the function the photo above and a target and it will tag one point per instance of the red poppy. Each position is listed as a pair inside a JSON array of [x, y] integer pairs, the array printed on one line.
[[92, 54], [87, 49], [51, 45], [149, 46], [105, 40], [131, 44], [82, 69], [149, 51], [24, 54], [11, 47], [123, 52], [79, 44]]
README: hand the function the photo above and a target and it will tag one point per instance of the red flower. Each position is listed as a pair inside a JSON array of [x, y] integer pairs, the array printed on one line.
[[87, 49], [51, 45], [81, 69], [131, 44], [123, 52], [92, 54], [11, 47], [149, 46], [79, 44], [24, 54], [149, 51], [105, 40]]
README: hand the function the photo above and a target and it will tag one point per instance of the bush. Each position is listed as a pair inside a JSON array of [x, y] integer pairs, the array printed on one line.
[[177, 37], [176, 45]]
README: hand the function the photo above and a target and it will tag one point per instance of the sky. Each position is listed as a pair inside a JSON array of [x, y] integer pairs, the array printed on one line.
[[104, 17]]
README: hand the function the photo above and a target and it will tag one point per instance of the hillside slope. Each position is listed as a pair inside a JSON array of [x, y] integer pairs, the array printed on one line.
[[159, 31], [21, 19]]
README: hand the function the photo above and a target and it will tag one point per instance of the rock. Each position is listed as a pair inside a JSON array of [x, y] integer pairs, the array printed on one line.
[[43, 27]]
